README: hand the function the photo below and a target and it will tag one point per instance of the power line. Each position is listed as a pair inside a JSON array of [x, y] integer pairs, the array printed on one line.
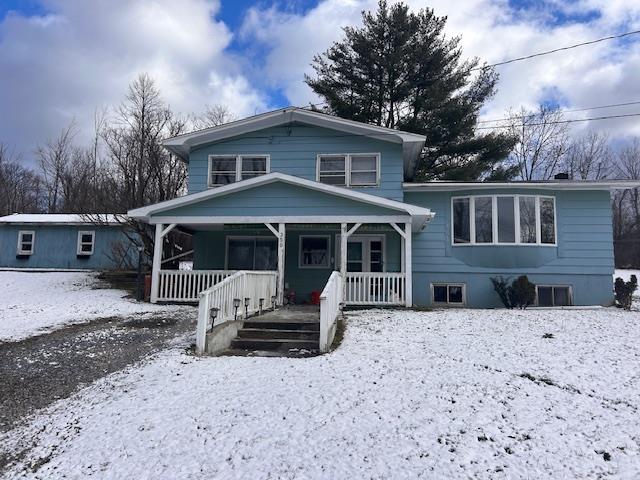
[[555, 50], [574, 120], [563, 111]]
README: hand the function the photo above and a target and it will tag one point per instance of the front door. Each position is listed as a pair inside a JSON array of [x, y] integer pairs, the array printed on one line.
[[365, 254]]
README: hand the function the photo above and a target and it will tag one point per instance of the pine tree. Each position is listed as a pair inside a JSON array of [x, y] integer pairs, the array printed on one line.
[[400, 71]]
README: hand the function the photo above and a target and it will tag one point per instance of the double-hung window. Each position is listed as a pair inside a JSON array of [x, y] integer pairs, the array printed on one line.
[[225, 169], [349, 170], [503, 220], [86, 242], [26, 242]]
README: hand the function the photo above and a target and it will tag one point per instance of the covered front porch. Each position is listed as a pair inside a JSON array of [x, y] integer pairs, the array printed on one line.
[[376, 267]]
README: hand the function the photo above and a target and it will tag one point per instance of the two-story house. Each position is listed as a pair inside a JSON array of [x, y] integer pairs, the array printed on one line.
[[305, 194]]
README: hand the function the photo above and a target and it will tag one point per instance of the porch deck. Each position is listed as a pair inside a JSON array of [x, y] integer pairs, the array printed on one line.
[[290, 314]]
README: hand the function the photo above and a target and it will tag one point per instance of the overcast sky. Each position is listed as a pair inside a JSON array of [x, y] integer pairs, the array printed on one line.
[[60, 59]]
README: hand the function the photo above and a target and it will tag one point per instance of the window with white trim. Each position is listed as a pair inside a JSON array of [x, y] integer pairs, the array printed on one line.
[[26, 242], [86, 242], [225, 169], [503, 220], [453, 294], [553, 295], [350, 170], [314, 251]]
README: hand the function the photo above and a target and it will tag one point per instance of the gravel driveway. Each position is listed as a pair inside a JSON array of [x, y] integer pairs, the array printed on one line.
[[37, 371]]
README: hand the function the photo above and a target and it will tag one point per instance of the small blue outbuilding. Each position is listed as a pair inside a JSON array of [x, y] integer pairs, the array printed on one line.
[[65, 242]]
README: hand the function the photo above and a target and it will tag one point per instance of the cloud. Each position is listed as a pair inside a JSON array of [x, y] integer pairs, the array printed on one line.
[[493, 30], [82, 55]]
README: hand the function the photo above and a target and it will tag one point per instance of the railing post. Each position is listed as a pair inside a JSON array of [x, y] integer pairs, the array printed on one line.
[[201, 328]]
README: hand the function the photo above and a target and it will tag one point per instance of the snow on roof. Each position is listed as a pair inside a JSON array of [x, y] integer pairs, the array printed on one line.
[[61, 218]]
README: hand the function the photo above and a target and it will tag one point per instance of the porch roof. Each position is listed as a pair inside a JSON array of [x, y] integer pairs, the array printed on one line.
[[281, 198]]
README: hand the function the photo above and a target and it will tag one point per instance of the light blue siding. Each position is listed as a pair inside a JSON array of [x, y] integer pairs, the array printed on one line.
[[293, 150], [278, 199], [582, 259], [56, 247], [210, 251]]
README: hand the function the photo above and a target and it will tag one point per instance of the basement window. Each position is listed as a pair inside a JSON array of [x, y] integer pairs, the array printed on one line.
[[448, 294], [553, 296]]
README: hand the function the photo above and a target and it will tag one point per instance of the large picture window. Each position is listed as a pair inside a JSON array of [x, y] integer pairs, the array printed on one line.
[[252, 253], [350, 170], [225, 169], [503, 220]]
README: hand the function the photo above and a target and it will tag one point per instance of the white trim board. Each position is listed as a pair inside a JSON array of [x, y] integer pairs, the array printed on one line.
[[440, 186]]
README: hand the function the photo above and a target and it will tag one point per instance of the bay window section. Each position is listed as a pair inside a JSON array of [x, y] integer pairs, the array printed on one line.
[[528, 227], [503, 220], [506, 220], [547, 220], [461, 223], [484, 219]]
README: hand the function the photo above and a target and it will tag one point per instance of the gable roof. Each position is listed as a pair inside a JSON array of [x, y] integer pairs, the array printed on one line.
[[412, 143], [440, 185], [419, 215], [59, 219]]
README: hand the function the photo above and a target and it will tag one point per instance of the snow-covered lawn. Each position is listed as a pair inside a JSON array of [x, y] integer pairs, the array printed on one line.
[[35, 302], [442, 394]]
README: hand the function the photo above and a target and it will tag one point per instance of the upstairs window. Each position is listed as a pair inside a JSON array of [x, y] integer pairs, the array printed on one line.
[[86, 241], [503, 220], [349, 170], [225, 169], [26, 242]]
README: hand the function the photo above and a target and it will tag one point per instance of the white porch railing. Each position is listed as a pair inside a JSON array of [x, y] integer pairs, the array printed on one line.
[[185, 285], [330, 306], [241, 285], [382, 288]]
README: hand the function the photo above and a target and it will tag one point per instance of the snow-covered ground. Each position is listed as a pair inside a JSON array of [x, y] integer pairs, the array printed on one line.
[[442, 394], [36, 302], [626, 274]]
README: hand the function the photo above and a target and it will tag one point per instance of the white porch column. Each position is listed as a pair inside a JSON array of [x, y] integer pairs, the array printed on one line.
[[408, 291], [157, 260], [343, 259], [281, 261]]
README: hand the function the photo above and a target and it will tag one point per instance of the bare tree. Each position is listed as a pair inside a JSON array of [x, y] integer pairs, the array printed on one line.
[[20, 187], [589, 157], [542, 142], [54, 158], [626, 208], [138, 171], [212, 116]]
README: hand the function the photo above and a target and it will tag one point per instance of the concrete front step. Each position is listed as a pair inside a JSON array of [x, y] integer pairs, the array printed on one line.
[[280, 344], [273, 334], [307, 326]]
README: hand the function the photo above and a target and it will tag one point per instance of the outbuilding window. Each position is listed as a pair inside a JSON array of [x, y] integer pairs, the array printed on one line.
[[350, 170], [503, 220], [452, 294], [26, 242], [225, 169], [86, 241]]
